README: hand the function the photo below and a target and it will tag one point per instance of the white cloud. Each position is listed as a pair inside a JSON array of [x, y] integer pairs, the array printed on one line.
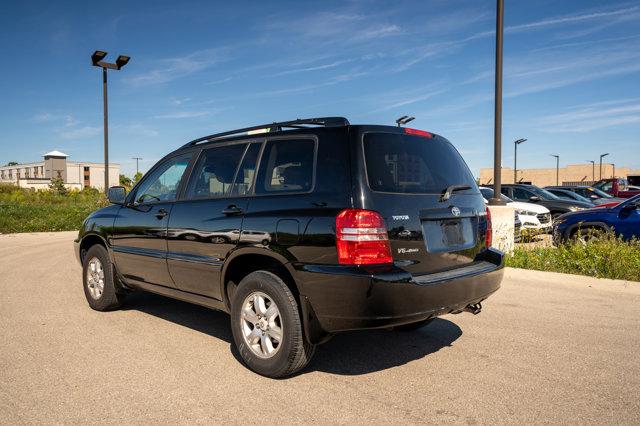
[[570, 19], [589, 117], [80, 132], [182, 114], [174, 68], [315, 68], [384, 30]]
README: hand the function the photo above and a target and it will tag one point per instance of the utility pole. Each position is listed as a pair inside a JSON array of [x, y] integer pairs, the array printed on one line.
[[497, 125], [137, 159]]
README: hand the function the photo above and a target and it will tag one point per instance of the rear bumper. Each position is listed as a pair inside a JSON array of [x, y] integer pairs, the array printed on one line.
[[341, 298]]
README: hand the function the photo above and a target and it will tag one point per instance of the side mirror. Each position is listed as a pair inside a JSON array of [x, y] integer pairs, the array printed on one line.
[[117, 194], [534, 198], [593, 197]]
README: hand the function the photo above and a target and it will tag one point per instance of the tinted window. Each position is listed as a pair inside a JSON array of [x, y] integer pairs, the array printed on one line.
[[487, 194], [246, 173], [214, 172], [286, 166], [163, 183], [521, 194], [411, 164], [542, 193]]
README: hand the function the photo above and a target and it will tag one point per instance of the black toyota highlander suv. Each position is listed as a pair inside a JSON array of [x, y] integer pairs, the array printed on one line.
[[299, 230]]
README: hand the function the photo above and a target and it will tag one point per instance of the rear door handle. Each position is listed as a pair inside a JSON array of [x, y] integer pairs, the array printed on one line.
[[161, 213], [232, 210]]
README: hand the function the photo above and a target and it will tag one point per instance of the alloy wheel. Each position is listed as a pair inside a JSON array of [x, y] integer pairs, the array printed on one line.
[[95, 278], [261, 324]]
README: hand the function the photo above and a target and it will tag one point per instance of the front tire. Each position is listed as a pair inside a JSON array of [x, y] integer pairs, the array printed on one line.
[[99, 281], [267, 328]]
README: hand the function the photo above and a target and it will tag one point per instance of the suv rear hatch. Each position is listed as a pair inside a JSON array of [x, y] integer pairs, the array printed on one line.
[[419, 183]]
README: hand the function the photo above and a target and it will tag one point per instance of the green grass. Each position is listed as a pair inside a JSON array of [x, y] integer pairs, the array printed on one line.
[[606, 257], [23, 210]]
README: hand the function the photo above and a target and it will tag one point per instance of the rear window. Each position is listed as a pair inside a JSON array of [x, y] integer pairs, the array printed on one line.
[[412, 164]]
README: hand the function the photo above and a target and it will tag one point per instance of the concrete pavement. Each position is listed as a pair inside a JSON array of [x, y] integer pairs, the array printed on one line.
[[547, 348]]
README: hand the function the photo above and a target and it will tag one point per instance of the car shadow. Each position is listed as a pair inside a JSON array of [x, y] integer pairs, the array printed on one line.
[[351, 353], [362, 352], [198, 318]]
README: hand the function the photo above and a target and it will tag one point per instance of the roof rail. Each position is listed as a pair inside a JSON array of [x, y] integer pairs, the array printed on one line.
[[300, 123]]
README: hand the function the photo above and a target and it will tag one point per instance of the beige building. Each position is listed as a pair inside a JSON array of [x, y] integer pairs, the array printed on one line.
[[74, 174], [572, 174]]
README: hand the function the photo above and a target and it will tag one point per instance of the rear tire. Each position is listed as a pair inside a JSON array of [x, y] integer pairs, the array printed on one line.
[[267, 328], [99, 281], [585, 235], [413, 326]]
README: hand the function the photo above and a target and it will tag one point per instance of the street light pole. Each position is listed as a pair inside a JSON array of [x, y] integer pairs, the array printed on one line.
[[601, 157], [557, 168], [105, 105], [97, 61], [593, 170], [515, 159], [497, 125]]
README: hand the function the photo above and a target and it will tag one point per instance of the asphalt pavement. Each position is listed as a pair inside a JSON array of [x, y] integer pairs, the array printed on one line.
[[547, 348]]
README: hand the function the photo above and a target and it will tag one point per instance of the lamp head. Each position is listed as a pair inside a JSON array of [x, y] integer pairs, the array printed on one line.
[[97, 56], [122, 61]]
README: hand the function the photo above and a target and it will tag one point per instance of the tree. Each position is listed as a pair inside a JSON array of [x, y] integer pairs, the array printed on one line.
[[12, 163], [137, 177], [57, 186], [125, 181]]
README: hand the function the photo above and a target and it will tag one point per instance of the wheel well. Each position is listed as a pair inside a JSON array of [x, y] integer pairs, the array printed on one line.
[[586, 226], [87, 242], [245, 264]]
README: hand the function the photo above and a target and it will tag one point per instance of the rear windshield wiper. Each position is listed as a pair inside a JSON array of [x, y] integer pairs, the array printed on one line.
[[450, 190]]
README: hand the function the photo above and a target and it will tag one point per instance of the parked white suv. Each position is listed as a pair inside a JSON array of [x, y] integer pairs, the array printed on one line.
[[534, 217]]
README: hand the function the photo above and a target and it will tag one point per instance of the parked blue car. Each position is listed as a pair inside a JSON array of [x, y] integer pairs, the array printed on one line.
[[623, 219]]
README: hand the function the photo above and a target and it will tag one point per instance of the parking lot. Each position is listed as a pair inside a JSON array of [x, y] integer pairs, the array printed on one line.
[[546, 348]]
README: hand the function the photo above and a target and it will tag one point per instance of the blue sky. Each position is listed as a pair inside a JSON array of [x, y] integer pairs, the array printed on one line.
[[572, 74]]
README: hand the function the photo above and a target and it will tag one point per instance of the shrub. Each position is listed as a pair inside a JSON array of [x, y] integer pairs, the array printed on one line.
[[25, 210], [57, 186], [606, 256]]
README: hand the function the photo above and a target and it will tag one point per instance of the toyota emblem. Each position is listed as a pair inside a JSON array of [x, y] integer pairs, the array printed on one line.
[[455, 211]]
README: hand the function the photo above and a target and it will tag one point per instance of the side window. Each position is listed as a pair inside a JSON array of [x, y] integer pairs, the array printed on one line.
[[521, 194], [163, 183], [505, 191], [287, 166], [243, 184], [213, 173], [622, 185]]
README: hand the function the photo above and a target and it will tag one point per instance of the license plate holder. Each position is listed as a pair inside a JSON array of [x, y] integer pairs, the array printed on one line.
[[452, 233]]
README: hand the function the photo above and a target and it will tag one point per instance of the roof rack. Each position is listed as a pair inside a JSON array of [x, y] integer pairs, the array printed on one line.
[[300, 123]]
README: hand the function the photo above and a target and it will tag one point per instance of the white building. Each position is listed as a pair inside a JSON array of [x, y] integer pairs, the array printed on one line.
[[74, 174]]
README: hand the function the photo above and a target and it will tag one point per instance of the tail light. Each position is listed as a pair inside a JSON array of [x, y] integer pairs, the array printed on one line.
[[361, 238], [487, 237]]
